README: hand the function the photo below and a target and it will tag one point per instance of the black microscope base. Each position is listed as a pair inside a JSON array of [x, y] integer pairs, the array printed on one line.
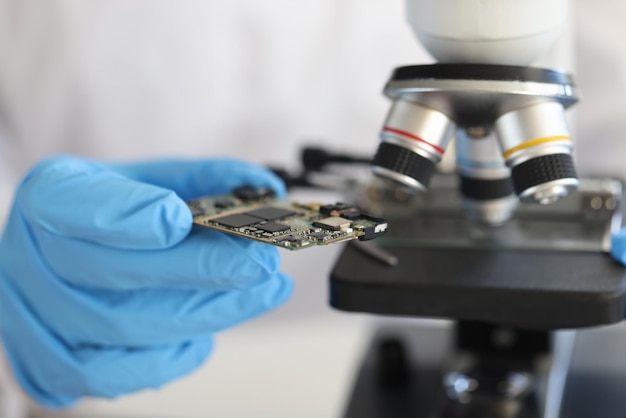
[[594, 388]]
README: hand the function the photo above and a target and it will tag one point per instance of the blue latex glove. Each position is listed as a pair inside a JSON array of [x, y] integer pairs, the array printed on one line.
[[618, 246], [104, 288]]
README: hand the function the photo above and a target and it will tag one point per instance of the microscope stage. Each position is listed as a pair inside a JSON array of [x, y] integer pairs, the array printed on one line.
[[546, 268], [534, 290]]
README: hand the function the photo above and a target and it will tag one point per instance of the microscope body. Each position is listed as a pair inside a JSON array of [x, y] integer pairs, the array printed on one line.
[[513, 144], [509, 275], [502, 32]]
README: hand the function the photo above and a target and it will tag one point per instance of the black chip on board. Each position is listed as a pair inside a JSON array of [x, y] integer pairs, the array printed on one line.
[[289, 238], [351, 214], [318, 235], [252, 193], [270, 213], [237, 220], [273, 227], [224, 203], [337, 207]]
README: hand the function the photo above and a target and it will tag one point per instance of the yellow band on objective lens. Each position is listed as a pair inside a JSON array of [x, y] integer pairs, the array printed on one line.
[[534, 142]]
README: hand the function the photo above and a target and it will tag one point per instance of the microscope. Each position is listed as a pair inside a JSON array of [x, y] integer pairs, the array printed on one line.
[[513, 247]]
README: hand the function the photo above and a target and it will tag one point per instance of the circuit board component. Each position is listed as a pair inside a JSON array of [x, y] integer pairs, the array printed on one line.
[[257, 214]]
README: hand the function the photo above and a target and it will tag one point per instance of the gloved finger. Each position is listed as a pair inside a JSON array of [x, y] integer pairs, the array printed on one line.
[[75, 198], [57, 375], [140, 317], [161, 317], [618, 246], [193, 179], [206, 259]]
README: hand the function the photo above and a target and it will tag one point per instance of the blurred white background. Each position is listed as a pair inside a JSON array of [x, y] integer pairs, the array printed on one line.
[[137, 79]]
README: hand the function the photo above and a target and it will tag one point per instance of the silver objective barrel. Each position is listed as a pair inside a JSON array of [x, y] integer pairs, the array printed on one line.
[[414, 139], [485, 180], [536, 144]]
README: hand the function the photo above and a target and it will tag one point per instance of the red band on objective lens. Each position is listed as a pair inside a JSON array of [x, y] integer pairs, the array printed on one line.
[[412, 137]]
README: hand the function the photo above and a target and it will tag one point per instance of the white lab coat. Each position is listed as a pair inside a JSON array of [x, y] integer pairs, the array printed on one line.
[[136, 79]]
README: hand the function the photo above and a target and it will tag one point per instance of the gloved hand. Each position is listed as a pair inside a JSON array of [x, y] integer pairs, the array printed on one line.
[[103, 288]]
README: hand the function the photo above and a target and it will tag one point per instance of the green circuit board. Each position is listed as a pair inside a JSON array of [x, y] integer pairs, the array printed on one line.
[[257, 214]]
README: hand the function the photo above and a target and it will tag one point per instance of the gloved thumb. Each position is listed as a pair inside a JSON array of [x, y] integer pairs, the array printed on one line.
[[191, 179], [81, 199]]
